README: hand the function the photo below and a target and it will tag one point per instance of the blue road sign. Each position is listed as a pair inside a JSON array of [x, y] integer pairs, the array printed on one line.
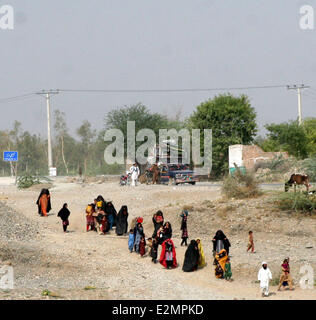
[[10, 156]]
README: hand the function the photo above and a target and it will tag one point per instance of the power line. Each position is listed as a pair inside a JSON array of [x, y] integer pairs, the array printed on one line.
[[313, 93], [16, 98], [309, 96], [169, 90], [23, 96]]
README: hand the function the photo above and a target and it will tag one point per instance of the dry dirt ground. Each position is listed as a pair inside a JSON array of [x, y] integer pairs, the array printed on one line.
[[85, 265]]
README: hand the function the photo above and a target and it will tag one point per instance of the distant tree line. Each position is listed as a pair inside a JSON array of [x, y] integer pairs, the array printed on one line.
[[231, 118]]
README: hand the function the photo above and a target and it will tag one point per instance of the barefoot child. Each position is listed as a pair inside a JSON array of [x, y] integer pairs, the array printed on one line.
[[142, 246], [89, 216], [228, 270], [286, 278], [131, 240], [251, 244]]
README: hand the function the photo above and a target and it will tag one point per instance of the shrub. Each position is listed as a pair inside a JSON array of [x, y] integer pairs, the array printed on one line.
[[241, 185], [309, 167], [27, 181], [296, 201], [48, 293], [89, 288]]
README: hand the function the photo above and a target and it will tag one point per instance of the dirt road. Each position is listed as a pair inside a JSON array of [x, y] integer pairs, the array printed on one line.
[[81, 265]]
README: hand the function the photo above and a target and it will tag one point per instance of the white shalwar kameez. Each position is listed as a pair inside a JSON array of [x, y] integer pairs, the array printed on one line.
[[134, 170], [264, 276]]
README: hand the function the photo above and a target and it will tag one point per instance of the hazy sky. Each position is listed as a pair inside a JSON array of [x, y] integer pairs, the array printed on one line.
[[151, 44]]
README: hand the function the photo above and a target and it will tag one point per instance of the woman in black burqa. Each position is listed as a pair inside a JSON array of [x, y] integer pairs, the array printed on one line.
[[191, 258], [64, 214], [167, 231], [43, 202], [184, 227], [158, 222], [111, 214], [121, 221], [220, 242]]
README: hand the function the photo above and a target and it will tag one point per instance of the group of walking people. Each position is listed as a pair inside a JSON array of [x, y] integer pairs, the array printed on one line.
[[101, 216], [161, 236]]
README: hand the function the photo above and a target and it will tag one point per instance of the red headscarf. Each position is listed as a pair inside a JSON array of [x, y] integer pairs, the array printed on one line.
[[140, 220]]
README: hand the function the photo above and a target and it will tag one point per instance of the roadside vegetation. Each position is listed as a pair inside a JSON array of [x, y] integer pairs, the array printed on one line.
[[240, 185], [280, 169], [27, 181], [296, 201], [231, 118]]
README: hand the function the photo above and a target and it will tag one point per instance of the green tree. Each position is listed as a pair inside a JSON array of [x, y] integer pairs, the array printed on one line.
[[5, 145], [143, 119], [287, 136], [9, 141], [32, 159], [86, 134], [232, 120], [309, 125], [61, 131]]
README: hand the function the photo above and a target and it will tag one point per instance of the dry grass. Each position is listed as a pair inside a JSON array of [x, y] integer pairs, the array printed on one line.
[[223, 212], [241, 186], [208, 204]]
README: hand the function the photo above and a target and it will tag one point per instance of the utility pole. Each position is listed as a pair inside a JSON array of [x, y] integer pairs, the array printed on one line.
[[47, 95], [299, 102]]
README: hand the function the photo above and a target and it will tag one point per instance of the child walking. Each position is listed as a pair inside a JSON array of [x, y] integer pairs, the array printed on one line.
[[142, 246], [131, 240], [184, 227], [285, 278], [169, 256], [251, 244], [228, 270], [154, 250], [90, 209], [64, 214]]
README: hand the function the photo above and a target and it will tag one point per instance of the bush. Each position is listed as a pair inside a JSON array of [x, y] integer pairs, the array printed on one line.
[[296, 201], [309, 167], [27, 181], [240, 185]]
